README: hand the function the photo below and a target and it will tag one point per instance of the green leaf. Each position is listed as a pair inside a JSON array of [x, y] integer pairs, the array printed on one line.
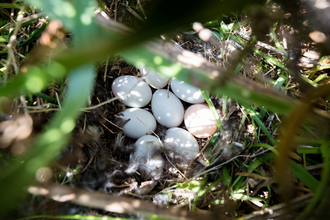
[[3, 40], [324, 183], [308, 150], [9, 5], [304, 176], [17, 176], [214, 111], [59, 9]]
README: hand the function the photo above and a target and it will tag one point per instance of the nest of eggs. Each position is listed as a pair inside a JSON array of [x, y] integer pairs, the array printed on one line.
[[154, 133]]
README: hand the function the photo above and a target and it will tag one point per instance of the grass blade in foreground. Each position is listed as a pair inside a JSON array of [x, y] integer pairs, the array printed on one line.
[[172, 61], [321, 188], [16, 176], [214, 112], [301, 173]]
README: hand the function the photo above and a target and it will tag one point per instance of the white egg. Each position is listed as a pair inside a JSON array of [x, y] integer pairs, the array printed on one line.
[[146, 145], [154, 79], [141, 122], [186, 92], [153, 167], [183, 143], [200, 121], [167, 108], [150, 164], [132, 91]]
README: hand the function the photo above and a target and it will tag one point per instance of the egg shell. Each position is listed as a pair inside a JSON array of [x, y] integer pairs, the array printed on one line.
[[154, 79], [167, 108], [146, 145], [199, 121], [132, 91], [141, 122], [183, 142], [186, 92]]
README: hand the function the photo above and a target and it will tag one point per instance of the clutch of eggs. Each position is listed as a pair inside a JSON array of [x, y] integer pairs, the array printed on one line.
[[166, 107]]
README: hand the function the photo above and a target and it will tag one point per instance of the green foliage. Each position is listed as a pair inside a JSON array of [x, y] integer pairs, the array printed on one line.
[[18, 175]]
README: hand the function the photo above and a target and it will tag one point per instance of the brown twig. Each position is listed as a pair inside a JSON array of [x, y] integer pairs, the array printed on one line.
[[111, 203]]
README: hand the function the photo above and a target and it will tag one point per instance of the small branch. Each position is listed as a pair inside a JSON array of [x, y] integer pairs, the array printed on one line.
[[62, 193]]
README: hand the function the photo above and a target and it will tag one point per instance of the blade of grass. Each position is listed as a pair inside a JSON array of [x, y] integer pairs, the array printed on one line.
[[267, 146], [321, 77], [320, 188], [209, 188], [9, 5], [279, 82], [276, 62], [34, 35], [213, 110], [201, 185], [157, 58], [258, 121], [289, 127], [234, 86], [16, 176], [304, 176], [255, 164], [272, 34], [308, 150]]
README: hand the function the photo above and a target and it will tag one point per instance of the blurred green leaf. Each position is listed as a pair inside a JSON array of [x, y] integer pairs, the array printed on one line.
[[59, 9], [9, 5], [308, 150], [304, 176], [324, 183], [16, 176], [3, 40]]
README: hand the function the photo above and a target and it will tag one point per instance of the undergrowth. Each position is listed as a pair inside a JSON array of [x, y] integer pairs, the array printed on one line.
[[262, 69]]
